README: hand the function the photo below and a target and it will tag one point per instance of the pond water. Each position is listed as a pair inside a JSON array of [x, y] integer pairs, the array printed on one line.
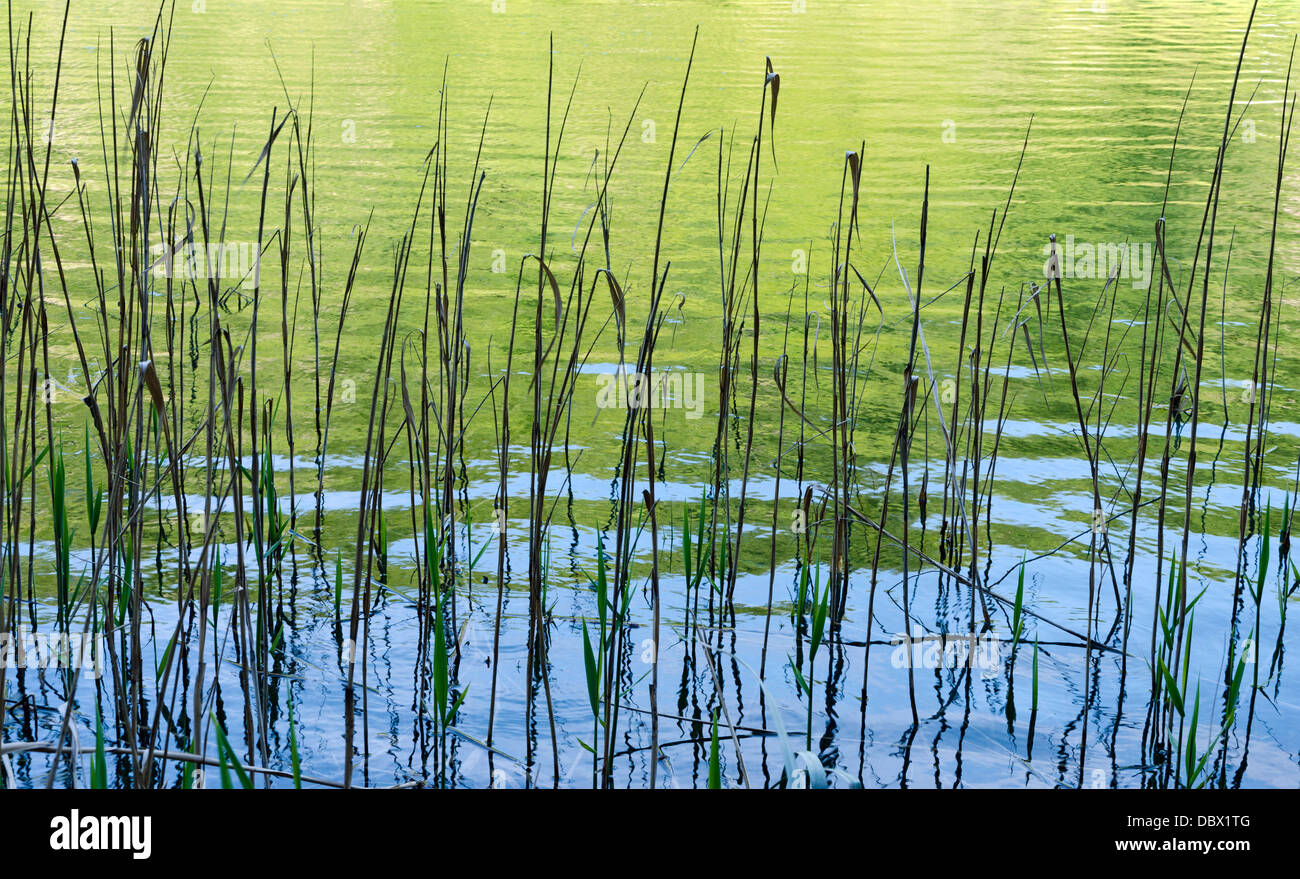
[[1076, 105]]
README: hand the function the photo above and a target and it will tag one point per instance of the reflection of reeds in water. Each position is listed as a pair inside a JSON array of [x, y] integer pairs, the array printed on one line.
[[177, 406]]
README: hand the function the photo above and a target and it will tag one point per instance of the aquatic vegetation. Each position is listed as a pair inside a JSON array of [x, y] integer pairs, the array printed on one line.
[[470, 591]]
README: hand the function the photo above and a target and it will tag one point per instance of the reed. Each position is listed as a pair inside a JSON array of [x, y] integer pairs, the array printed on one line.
[[194, 541]]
